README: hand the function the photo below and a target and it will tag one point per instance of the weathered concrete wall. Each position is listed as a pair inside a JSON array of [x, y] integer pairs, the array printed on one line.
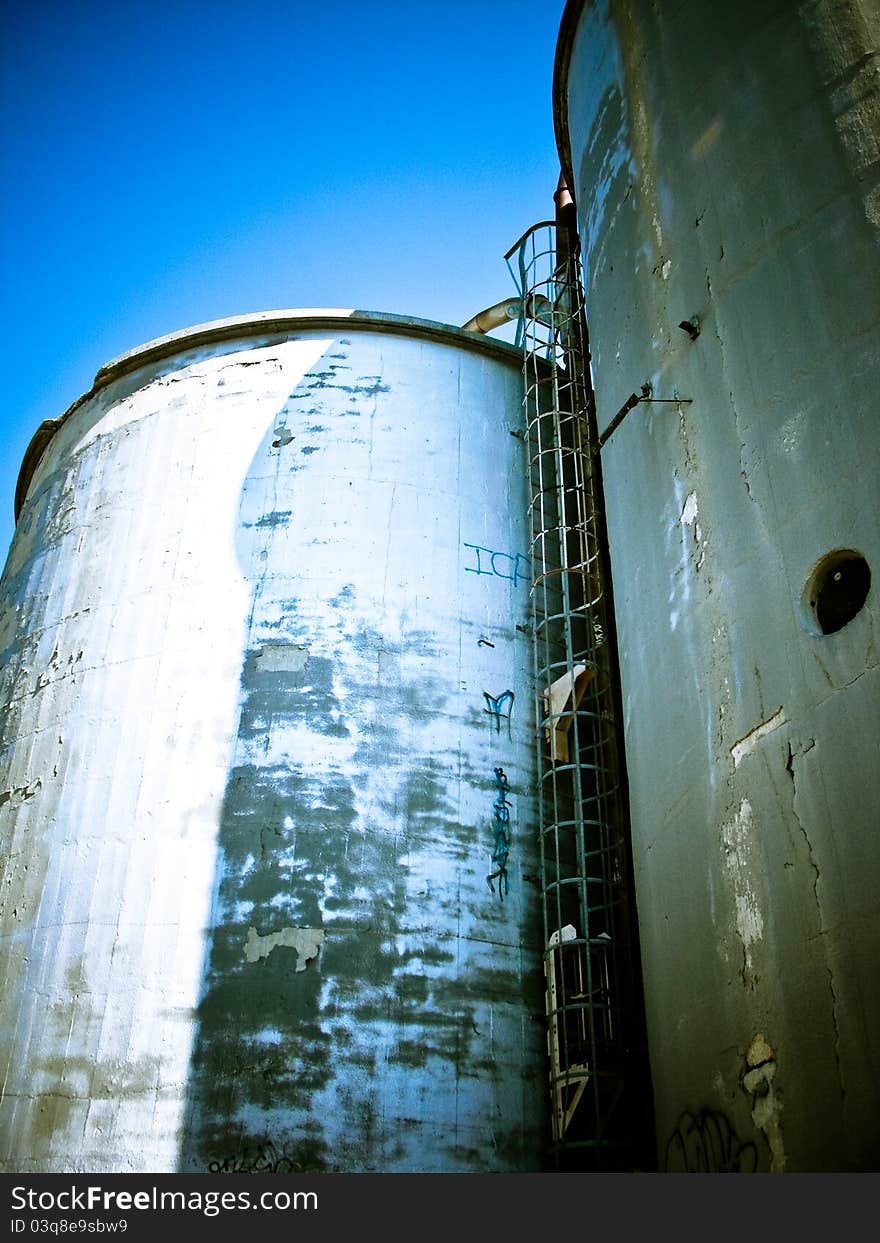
[[725, 164], [259, 593]]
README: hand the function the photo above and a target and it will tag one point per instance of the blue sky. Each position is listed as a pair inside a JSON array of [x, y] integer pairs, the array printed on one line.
[[173, 162]]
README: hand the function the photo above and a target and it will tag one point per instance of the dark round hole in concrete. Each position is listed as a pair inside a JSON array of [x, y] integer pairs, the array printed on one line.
[[836, 590]]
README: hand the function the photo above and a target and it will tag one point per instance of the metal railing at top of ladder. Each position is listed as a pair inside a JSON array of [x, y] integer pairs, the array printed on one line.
[[592, 980]]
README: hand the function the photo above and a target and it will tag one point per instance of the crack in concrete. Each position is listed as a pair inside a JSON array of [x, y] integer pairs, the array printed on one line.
[[744, 473], [744, 969], [790, 769], [793, 753], [834, 1017], [837, 690]]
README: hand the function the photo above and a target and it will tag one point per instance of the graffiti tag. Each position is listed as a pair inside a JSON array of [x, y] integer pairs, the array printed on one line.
[[515, 567], [495, 709], [501, 823], [706, 1143], [266, 1159]]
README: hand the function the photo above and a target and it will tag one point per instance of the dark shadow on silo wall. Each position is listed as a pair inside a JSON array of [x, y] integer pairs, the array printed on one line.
[[328, 1001]]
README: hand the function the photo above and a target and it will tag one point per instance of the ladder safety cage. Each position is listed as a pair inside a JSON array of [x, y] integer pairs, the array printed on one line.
[[587, 944]]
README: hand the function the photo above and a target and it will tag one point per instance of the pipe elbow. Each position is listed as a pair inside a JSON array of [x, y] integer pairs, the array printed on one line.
[[537, 307], [494, 316]]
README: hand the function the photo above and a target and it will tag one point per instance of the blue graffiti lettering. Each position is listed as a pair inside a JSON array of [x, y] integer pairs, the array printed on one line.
[[496, 711], [518, 569], [501, 851]]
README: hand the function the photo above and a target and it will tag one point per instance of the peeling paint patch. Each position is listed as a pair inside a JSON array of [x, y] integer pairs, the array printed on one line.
[[766, 1105], [689, 518], [282, 658], [20, 794], [689, 512], [749, 921], [736, 837], [306, 941], [749, 741]]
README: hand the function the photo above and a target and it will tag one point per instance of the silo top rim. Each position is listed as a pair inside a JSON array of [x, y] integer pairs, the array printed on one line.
[[259, 323], [568, 25], [301, 320]]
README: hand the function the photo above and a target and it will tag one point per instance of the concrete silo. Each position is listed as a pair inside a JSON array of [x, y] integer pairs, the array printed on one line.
[[724, 163], [269, 895]]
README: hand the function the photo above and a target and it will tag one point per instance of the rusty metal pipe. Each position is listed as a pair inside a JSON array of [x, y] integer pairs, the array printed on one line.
[[494, 316], [537, 307]]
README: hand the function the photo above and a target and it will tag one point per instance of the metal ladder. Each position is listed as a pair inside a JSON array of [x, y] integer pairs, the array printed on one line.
[[593, 996]]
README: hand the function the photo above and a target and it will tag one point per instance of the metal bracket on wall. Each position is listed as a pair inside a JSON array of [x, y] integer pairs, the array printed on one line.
[[631, 402]]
